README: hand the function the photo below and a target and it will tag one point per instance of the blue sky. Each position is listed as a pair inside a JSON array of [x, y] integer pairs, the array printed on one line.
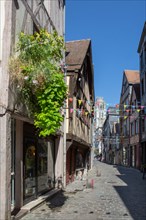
[[114, 28]]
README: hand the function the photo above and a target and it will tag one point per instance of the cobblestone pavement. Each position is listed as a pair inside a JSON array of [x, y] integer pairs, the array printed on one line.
[[118, 193]]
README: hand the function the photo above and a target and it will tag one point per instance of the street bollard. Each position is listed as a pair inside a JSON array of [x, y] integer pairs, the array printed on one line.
[[92, 183]]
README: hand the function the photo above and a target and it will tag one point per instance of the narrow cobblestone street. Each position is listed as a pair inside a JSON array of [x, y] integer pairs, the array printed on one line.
[[118, 193]]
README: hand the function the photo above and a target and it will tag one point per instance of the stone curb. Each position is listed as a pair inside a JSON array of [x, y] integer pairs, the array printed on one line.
[[34, 204]]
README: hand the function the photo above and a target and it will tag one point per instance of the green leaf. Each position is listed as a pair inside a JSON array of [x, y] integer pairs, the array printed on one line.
[[45, 90]]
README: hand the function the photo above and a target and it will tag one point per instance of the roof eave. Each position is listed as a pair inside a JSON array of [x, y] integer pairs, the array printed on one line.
[[142, 37]]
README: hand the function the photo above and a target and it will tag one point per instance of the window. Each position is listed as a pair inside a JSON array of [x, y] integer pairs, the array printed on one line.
[[135, 122], [132, 128], [127, 102], [142, 125], [137, 127], [101, 107], [79, 160]]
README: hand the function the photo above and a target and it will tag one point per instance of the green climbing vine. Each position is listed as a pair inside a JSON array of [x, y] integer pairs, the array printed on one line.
[[39, 78]]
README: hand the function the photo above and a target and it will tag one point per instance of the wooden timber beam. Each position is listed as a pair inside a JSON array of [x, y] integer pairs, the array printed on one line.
[[37, 9], [16, 4], [38, 26], [50, 20], [24, 21]]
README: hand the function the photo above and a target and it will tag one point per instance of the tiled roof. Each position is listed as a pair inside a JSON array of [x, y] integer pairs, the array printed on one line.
[[75, 53], [132, 76]]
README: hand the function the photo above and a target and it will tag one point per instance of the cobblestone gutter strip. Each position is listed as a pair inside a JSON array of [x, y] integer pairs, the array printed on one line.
[[34, 204], [77, 185], [80, 185]]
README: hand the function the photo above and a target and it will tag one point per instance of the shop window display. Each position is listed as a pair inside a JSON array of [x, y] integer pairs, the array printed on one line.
[[42, 158], [30, 171]]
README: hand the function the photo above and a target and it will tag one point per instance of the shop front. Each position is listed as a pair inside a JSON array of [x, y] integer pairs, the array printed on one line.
[[30, 170], [78, 161], [39, 172], [32, 164]]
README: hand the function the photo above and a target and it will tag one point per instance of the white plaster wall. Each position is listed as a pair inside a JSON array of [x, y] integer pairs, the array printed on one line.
[[19, 165], [5, 40], [2, 22], [57, 16], [59, 158], [5, 168], [5, 122], [28, 27]]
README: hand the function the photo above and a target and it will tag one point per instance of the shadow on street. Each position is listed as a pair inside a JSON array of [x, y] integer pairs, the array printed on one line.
[[133, 194], [57, 202]]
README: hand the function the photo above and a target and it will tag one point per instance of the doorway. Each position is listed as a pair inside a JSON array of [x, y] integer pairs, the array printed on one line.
[[29, 169]]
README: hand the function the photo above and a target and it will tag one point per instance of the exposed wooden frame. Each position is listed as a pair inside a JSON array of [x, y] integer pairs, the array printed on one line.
[[49, 19], [16, 4], [29, 10], [34, 14]]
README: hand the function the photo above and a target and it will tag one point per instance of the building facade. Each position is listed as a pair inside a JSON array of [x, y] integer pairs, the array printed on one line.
[[99, 112], [29, 165], [99, 118], [111, 135], [80, 81], [142, 59], [115, 141], [135, 119], [130, 77]]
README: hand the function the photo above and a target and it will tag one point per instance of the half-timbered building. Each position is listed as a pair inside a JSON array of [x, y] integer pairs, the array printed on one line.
[[29, 166], [79, 116]]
